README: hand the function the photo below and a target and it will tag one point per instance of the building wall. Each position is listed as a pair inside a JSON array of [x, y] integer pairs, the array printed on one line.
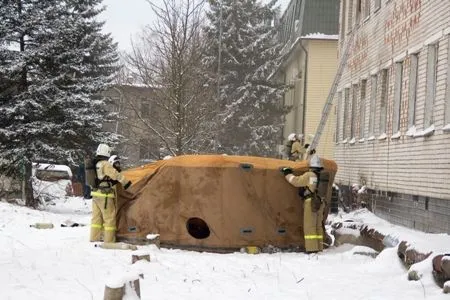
[[321, 69], [294, 72], [138, 144], [322, 65], [396, 145]]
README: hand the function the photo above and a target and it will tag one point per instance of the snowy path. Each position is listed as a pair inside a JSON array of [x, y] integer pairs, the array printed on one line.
[[60, 263]]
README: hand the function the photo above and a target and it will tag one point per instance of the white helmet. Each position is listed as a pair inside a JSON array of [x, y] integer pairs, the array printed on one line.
[[113, 159], [300, 136], [292, 137], [314, 161], [103, 150]]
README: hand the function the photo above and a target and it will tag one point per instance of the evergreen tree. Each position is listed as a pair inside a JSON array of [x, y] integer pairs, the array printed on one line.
[[250, 108], [56, 60]]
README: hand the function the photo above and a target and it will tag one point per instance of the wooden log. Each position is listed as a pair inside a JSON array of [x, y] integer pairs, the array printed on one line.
[[135, 285], [413, 275], [118, 293], [118, 246], [441, 269], [153, 239], [136, 257], [410, 256], [113, 293], [446, 288], [445, 266]]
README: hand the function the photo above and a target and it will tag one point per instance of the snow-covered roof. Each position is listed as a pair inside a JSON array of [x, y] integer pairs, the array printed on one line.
[[320, 36]]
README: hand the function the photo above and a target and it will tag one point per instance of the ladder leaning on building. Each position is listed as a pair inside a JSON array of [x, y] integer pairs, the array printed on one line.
[[329, 101]]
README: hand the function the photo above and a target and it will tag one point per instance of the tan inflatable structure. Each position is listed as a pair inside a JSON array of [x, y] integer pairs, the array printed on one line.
[[217, 202]]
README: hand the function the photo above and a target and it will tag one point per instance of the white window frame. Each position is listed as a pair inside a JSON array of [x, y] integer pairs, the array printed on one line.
[[412, 91], [338, 116], [383, 100], [447, 92], [377, 4], [354, 110], [345, 114], [349, 15], [373, 103], [343, 20], [366, 9], [358, 11], [397, 96], [430, 94], [362, 107]]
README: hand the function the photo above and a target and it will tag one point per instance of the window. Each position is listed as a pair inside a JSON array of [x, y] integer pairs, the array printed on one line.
[[145, 108], [345, 117], [384, 99], [144, 151], [373, 102], [358, 11], [116, 103], [350, 15], [354, 110], [431, 84], [367, 8], [377, 4], [338, 116], [397, 97], [447, 93], [412, 95], [362, 108], [343, 18]]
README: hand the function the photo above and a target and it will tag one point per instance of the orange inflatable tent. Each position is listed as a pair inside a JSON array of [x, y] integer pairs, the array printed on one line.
[[216, 202]]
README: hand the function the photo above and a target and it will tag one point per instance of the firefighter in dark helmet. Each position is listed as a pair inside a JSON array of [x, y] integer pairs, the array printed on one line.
[[104, 196], [313, 205]]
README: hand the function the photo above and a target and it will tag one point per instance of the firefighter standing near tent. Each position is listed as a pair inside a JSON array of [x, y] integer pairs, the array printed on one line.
[[294, 147], [313, 205], [104, 196]]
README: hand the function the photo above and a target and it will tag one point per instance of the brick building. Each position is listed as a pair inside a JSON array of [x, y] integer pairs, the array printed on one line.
[[393, 109]]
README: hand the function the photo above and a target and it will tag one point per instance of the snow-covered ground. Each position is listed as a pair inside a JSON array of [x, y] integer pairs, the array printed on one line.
[[60, 263]]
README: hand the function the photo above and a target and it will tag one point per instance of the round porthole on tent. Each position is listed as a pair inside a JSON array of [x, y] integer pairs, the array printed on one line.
[[197, 228]]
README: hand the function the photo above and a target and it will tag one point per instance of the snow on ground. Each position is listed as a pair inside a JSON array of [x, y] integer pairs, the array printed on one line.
[[61, 263]]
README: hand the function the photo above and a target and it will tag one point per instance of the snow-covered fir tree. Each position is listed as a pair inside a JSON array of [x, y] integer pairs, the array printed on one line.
[[250, 108], [55, 60]]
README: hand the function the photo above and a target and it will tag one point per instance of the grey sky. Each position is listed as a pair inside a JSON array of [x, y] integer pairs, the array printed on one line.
[[126, 18]]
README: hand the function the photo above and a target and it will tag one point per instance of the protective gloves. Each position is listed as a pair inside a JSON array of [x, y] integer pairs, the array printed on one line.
[[286, 171], [127, 185]]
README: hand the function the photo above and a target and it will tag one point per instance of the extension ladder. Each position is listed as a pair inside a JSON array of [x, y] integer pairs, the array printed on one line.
[[329, 102]]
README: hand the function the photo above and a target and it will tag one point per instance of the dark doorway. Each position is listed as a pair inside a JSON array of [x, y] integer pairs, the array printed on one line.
[[197, 228]]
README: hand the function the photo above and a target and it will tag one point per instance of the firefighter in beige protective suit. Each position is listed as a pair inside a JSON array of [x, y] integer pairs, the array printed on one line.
[[104, 196], [296, 149], [313, 207]]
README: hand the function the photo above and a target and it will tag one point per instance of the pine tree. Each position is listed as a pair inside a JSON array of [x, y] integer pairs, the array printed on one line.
[[56, 61], [250, 108]]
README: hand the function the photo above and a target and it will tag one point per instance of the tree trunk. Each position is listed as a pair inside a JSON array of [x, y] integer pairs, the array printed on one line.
[[136, 257], [118, 293], [114, 293], [30, 201]]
